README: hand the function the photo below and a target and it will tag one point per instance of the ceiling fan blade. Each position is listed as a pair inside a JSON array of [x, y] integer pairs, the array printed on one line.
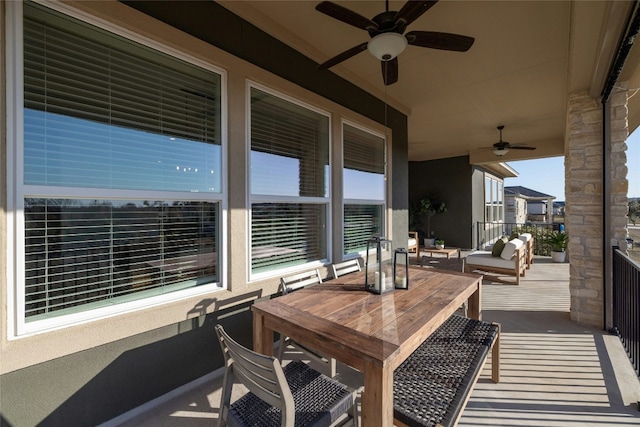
[[390, 71], [345, 15], [412, 10], [343, 56], [437, 40], [521, 147]]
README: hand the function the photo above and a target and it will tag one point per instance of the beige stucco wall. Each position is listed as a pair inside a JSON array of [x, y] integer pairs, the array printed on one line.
[[16, 353]]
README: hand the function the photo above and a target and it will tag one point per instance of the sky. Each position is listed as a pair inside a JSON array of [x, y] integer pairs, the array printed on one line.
[[547, 175]]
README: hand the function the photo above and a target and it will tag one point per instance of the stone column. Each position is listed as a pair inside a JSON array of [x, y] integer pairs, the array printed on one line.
[[619, 185], [584, 211], [584, 214]]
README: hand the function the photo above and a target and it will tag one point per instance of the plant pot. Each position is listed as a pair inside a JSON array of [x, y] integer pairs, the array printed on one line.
[[558, 256], [429, 243], [439, 246]]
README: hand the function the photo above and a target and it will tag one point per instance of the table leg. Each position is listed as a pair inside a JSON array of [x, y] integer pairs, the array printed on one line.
[[262, 336], [377, 397], [475, 308]]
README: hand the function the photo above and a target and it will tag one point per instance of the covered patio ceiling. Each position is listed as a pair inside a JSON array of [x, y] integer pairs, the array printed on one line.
[[528, 57]]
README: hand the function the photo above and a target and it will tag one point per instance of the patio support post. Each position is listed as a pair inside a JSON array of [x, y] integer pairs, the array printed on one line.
[[616, 185], [584, 213]]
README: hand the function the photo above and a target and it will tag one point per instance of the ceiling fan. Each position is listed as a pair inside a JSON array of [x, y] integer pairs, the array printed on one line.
[[501, 147], [387, 35]]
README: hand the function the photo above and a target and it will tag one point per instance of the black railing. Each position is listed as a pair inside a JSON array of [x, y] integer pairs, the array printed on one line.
[[626, 305], [488, 232]]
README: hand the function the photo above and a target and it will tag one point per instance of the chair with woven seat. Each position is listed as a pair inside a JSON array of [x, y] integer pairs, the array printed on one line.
[[293, 283], [296, 395]]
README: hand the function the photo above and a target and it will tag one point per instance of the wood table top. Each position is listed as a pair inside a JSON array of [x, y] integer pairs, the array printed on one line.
[[343, 320]]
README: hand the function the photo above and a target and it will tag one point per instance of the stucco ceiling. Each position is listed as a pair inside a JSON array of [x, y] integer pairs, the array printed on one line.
[[527, 58]]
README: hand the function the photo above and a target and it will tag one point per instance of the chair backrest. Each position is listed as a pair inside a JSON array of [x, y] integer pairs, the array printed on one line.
[[345, 267], [262, 375], [300, 280]]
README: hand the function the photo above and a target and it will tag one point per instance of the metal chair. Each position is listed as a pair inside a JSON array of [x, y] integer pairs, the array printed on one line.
[[345, 267], [293, 283], [296, 395]]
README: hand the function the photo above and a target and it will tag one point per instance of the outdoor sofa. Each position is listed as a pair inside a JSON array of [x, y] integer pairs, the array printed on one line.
[[509, 260]]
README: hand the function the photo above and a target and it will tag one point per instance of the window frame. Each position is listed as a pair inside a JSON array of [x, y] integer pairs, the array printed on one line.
[[262, 198], [17, 325], [368, 202], [494, 202]]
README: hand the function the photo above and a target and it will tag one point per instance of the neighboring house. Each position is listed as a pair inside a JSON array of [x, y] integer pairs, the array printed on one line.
[[515, 208], [536, 204]]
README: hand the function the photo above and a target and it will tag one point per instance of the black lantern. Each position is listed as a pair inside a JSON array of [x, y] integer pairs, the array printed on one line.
[[378, 266], [401, 268]]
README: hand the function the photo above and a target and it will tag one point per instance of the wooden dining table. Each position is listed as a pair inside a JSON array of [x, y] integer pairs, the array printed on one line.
[[372, 333]]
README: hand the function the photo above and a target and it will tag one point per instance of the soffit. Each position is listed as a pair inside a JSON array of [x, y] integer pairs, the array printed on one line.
[[528, 56]]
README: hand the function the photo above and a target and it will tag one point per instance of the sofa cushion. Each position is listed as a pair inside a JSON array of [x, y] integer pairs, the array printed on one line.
[[485, 259], [411, 242], [510, 248], [498, 246], [525, 237]]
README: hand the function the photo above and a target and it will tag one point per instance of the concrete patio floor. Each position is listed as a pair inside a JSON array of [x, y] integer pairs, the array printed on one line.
[[554, 372]]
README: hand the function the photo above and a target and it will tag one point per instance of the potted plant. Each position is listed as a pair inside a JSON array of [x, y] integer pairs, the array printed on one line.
[[426, 207], [558, 241], [439, 244]]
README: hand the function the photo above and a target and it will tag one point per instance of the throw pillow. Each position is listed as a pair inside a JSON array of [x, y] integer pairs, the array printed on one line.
[[498, 246]]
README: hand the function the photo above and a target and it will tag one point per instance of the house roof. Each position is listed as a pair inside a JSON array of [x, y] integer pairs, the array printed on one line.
[[526, 193]]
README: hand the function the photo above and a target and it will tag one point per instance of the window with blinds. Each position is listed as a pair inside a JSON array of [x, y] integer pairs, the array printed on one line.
[[101, 111], [83, 254], [106, 115], [289, 183], [363, 187]]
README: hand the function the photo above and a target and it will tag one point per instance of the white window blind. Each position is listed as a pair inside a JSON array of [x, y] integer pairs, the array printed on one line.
[[363, 187], [287, 234], [363, 151], [361, 222], [290, 158], [106, 115], [101, 111], [82, 254]]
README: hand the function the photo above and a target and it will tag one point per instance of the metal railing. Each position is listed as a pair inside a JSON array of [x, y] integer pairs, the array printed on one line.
[[626, 305], [488, 232]]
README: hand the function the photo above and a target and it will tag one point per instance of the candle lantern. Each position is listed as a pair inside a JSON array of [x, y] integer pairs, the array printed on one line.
[[379, 266], [401, 268]]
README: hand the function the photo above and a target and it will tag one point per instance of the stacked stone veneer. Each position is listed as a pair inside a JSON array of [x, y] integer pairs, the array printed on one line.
[[584, 199], [619, 188]]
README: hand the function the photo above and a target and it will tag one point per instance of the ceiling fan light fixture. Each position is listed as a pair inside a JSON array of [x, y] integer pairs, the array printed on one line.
[[500, 151], [387, 46]]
